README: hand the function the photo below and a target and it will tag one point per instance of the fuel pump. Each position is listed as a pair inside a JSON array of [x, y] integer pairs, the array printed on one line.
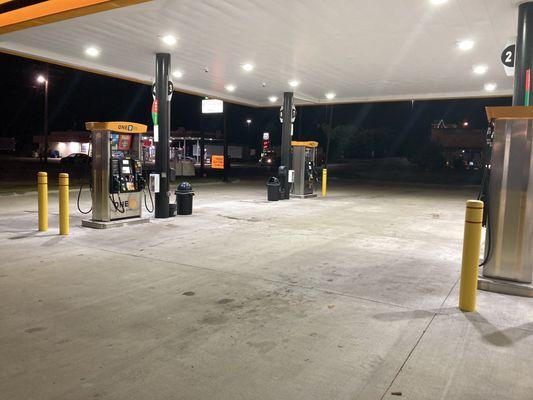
[[117, 180], [507, 191], [484, 190], [303, 162]]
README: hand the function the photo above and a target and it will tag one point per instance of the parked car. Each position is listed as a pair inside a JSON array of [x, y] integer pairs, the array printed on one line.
[[76, 159]]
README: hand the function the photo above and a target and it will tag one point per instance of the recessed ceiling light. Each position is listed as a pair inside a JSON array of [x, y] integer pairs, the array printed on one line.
[[92, 51], [330, 95], [294, 83], [480, 69], [230, 88], [438, 2], [177, 74], [169, 40], [490, 87], [466, 44], [272, 99], [247, 67]]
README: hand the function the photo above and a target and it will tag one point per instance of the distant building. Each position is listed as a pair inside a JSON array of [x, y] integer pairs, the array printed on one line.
[[7, 144], [459, 145], [61, 144], [183, 144]]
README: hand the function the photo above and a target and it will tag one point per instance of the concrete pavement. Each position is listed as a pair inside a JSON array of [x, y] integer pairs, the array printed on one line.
[[349, 297]]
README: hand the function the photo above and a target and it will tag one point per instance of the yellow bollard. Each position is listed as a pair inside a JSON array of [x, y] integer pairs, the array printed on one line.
[[324, 181], [42, 200], [63, 204], [471, 247]]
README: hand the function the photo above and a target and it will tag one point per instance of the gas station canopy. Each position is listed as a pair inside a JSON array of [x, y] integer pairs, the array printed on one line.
[[250, 51]]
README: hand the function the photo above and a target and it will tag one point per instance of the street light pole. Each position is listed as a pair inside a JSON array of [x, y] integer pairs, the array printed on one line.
[[46, 120], [248, 122], [42, 79]]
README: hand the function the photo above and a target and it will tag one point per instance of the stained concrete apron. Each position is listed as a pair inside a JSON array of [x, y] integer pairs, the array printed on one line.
[[348, 297]]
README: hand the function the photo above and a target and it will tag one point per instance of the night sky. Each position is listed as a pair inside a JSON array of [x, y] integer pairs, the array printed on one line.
[[76, 97]]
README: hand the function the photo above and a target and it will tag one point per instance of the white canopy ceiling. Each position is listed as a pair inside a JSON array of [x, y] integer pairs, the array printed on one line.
[[362, 50]]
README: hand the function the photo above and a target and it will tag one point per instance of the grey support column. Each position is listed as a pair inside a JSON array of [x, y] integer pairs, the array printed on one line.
[[162, 67], [524, 54]]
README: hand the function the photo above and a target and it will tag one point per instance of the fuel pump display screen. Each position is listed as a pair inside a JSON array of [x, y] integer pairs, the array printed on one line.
[[126, 167]]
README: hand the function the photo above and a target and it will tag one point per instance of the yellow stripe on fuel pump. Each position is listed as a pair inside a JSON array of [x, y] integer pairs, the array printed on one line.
[[116, 126]]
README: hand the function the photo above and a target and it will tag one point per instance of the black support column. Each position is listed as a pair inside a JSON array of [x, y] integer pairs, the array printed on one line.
[[225, 173], [202, 151], [524, 54], [162, 67], [286, 138]]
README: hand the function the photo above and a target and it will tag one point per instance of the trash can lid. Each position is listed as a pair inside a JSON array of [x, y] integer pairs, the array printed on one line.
[[273, 180], [184, 187]]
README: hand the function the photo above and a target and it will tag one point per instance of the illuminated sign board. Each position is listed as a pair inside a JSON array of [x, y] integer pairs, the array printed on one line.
[[212, 106], [217, 162]]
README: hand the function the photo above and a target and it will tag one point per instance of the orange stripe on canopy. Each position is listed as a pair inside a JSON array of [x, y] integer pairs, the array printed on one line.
[[55, 10]]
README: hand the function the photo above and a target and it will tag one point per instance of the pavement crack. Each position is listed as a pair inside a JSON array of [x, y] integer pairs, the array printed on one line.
[[251, 219], [435, 313]]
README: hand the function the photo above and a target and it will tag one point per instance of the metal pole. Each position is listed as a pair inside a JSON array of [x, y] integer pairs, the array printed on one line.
[[45, 127], [162, 67], [202, 151], [42, 202], [197, 151], [324, 182], [524, 54], [64, 209], [470, 262], [286, 129], [248, 140], [226, 159], [286, 138]]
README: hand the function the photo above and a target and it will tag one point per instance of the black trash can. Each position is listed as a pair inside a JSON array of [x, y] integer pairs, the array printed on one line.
[[184, 196], [273, 193]]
